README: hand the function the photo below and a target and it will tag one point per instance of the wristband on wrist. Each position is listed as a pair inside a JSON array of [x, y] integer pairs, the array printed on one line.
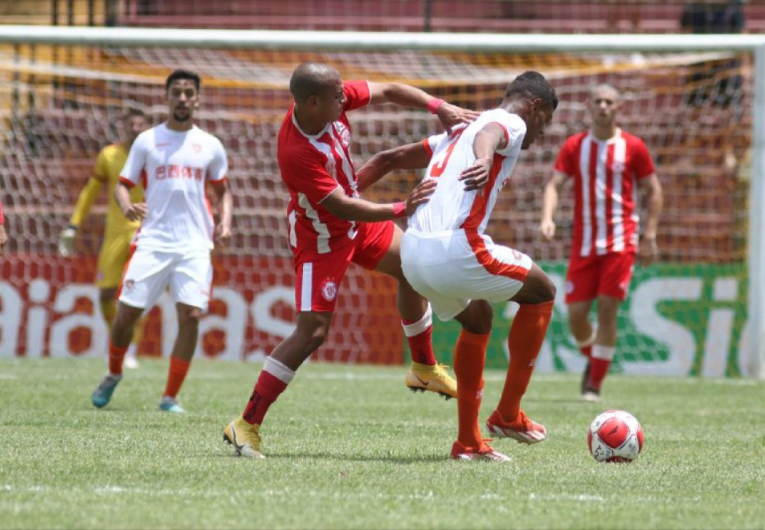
[[2, 217], [399, 210], [433, 105]]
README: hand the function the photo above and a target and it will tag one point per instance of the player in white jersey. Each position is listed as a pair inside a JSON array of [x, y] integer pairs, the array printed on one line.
[[173, 162], [447, 257]]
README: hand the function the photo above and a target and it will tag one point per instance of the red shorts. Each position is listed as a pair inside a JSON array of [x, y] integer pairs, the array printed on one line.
[[607, 275], [319, 275]]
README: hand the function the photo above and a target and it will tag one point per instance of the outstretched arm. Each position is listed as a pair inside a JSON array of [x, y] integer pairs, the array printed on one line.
[[355, 209], [410, 156], [648, 251], [550, 204], [409, 96]]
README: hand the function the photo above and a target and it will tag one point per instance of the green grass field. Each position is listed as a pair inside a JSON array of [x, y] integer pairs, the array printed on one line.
[[350, 447]]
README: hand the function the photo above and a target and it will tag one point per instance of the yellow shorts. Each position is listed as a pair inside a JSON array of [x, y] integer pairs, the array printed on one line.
[[114, 254]]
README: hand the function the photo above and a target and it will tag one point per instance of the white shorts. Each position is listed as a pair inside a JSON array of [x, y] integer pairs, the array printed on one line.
[[452, 268], [150, 272]]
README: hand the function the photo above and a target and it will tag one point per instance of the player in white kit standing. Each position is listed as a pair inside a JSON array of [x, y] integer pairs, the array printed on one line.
[[173, 162], [448, 259]]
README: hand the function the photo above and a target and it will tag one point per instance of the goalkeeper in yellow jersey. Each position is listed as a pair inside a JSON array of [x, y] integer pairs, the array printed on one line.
[[119, 231]]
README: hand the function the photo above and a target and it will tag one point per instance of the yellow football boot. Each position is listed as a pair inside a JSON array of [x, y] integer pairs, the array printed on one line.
[[244, 437], [422, 377]]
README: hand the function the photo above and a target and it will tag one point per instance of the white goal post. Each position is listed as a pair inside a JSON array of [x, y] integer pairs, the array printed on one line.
[[302, 41]]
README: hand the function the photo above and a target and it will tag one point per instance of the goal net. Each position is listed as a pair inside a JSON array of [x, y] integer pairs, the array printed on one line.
[[60, 104]]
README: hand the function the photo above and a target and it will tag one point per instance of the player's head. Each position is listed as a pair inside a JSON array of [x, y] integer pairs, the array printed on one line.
[[603, 104], [134, 123], [534, 100], [182, 94], [318, 91]]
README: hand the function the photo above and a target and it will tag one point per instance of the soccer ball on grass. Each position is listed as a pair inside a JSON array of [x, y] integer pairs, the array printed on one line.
[[615, 436]]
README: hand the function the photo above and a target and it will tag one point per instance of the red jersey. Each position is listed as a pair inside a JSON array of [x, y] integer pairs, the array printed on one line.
[[313, 167], [605, 177]]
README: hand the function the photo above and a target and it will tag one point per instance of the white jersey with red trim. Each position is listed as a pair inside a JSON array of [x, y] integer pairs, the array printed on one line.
[[451, 207], [173, 168]]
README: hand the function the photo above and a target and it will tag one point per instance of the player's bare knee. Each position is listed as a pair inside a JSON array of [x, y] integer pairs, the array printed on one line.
[[189, 318], [477, 317], [311, 332], [312, 341], [537, 289], [548, 289]]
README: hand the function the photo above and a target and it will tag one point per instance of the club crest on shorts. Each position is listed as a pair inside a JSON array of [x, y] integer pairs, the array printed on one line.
[[329, 290], [569, 287], [129, 284]]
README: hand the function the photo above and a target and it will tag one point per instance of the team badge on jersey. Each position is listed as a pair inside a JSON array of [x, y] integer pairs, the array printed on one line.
[[329, 290], [344, 133]]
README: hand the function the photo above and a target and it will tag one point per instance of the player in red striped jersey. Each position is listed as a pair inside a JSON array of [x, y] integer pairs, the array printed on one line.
[[608, 167], [330, 227]]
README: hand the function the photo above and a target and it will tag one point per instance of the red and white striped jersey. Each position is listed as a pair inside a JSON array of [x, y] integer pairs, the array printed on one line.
[[314, 166], [605, 177]]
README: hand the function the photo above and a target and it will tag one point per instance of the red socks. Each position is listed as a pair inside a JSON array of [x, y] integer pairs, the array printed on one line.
[[600, 362], [116, 356], [419, 335], [176, 374], [469, 361], [526, 336], [272, 381], [267, 389]]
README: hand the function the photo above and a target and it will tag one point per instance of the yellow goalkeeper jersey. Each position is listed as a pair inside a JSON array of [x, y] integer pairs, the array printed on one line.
[[109, 163]]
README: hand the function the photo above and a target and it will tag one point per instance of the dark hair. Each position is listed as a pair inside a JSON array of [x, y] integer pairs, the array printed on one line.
[[533, 85], [183, 74]]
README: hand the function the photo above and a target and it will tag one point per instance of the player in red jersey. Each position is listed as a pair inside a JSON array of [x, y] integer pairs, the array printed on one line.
[[330, 227], [608, 167]]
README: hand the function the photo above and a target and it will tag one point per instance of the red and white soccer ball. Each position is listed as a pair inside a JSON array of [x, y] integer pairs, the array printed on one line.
[[615, 436]]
